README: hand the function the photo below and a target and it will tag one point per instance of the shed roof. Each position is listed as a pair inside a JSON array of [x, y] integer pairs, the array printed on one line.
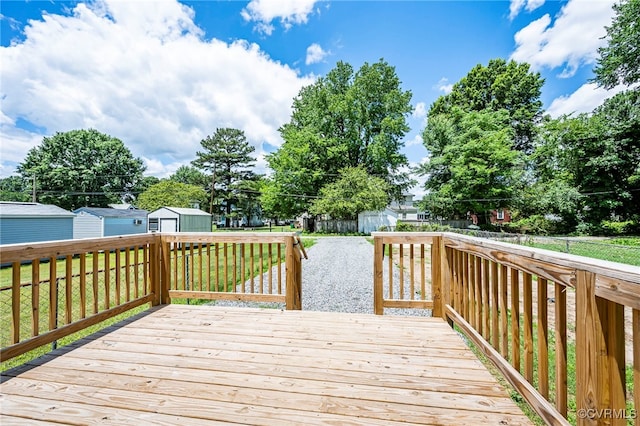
[[16, 209], [109, 212], [187, 211]]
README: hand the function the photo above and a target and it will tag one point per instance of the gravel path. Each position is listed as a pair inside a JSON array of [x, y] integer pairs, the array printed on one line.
[[338, 277]]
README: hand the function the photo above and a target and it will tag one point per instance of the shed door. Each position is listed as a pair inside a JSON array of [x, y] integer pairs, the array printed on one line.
[[168, 225]]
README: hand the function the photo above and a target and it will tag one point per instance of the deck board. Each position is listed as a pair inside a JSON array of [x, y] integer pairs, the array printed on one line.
[[200, 364]]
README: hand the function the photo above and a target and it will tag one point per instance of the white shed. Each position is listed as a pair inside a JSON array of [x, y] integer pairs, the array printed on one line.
[[370, 221], [178, 219]]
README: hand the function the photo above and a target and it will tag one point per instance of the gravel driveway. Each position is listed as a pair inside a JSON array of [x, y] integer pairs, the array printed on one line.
[[338, 277]]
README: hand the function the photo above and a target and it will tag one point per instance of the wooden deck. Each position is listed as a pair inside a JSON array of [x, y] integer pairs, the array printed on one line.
[[180, 364]]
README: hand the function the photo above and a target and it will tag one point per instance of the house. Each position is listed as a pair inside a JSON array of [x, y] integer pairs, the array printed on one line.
[[95, 222], [404, 208], [33, 222], [369, 221], [178, 219], [496, 217]]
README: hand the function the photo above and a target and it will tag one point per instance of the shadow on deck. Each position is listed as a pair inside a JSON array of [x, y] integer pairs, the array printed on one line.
[[179, 364]]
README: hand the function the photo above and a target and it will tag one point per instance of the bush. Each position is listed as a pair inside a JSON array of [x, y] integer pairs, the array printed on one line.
[[610, 228], [425, 227]]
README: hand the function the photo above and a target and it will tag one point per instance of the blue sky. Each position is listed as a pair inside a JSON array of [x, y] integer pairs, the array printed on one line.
[[161, 75]]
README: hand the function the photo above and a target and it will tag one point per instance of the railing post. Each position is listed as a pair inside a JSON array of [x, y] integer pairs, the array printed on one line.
[[293, 271], [154, 269], [378, 258], [445, 276], [436, 277], [599, 355]]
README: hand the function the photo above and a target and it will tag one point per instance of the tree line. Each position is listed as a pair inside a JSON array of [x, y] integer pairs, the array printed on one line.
[[490, 146]]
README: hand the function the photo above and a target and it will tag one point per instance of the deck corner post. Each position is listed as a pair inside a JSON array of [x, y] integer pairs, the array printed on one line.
[[293, 271], [378, 258], [436, 277], [599, 353], [154, 269], [446, 276]]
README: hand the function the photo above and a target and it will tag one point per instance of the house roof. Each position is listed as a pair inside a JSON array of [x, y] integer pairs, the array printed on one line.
[[109, 212], [187, 211], [16, 209]]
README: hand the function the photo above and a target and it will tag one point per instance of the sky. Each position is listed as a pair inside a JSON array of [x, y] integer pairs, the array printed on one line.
[[161, 75]]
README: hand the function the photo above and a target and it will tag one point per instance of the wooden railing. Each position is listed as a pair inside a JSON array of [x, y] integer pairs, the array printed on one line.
[[51, 290], [538, 314]]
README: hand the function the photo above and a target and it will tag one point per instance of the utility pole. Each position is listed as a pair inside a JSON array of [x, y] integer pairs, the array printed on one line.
[[33, 197]]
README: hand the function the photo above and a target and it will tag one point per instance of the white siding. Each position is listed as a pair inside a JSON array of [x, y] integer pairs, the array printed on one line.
[[369, 222], [87, 226]]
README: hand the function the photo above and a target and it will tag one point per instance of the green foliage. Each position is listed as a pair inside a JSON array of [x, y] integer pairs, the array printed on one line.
[[424, 227], [227, 156], [354, 192], [500, 85], [171, 194], [628, 227], [191, 176], [472, 160], [345, 119], [82, 168], [15, 188], [619, 60]]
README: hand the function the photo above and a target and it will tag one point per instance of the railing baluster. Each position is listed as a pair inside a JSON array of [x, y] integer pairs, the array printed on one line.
[[560, 318], [543, 341], [478, 295], [515, 319], [136, 272], [495, 321], [200, 281], [401, 268], [234, 272], [279, 248], [15, 302], [53, 294], [527, 291], [208, 245], [504, 308], [411, 273], [107, 279], [472, 291], [260, 274], [423, 286], [466, 298], [68, 289], [127, 274], [270, 267], [242, 269], [35, 297], [83, 285], [486, 310], [635, 315], [95, 261], [117, 273], [225, 263], [390, 271], [253, 269]]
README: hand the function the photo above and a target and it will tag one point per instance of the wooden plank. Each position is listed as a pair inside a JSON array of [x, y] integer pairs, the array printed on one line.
[[404, 303], [378, 258], [400, 270], [53, 293], [478, 293], [504, 309], [68, 290], [390, 269], [486, 307], [107, 280], [279, 251], [495, 320], [83, 285], [15, 302], [560, 329], [543, 339], [412, 276], [527, 290], [423, 294], [234, 261], [261, 275], [615, 335], [118, 274], [35, 297], [540, 405], [515, 319], [127, 274], [95, 267], [437, 285], [235, 296]]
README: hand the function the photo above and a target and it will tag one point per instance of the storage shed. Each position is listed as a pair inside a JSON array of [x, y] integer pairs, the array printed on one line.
[[176, 219], [33, 222], [96, 222]]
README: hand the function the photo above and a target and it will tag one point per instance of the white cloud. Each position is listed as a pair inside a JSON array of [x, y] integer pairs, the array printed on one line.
[[143, 75], [533, 5], [585, 99], [315, 54], [517, 5], [571, 41], [290, 12], [444, 86], [417, 140], [420, 111]]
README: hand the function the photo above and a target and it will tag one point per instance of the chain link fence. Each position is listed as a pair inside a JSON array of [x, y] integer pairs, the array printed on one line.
[[598, 248]]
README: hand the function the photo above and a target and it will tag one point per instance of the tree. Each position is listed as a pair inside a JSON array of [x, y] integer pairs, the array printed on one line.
[[473, 166], [190, 175], [15, 188], [170, 193], [501, 85], [227, 155], [355, 191], [345, 119], [598, 154], [82, 168], [619, 60]]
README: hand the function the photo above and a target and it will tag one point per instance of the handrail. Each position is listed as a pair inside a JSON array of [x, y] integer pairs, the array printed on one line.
[[53, 289], [489, 290]]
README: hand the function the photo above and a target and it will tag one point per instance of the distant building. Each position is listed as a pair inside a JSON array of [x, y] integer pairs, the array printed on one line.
[[177, 219], [96, 222], [496, 217], [34, 222]]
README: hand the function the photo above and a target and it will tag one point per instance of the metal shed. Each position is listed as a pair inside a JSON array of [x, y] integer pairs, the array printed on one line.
[[177, 219], [95, 222], [33, 222]]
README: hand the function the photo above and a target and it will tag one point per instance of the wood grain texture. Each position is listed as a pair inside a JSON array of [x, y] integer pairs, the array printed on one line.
[[181, 364]]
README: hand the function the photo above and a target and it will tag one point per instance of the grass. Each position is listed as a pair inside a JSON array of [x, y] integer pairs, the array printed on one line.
[[611, 251]]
